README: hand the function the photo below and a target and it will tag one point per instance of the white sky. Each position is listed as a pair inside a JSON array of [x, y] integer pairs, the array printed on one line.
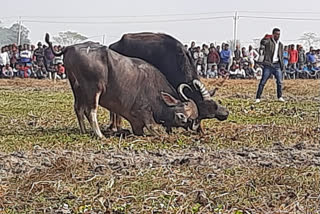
[[205, 30]]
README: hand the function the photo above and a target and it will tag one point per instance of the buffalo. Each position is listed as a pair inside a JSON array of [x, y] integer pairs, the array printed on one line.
[[174, 61], [130, 87]]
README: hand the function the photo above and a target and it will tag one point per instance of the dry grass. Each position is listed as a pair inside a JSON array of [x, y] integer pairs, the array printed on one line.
[[264, 159]]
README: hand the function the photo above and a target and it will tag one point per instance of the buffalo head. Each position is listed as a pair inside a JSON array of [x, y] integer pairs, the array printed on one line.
[[208, 108], [184, 111]]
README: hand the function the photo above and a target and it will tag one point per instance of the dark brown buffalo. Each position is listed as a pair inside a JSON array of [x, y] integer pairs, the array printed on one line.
[[127, 86], [174, 61]]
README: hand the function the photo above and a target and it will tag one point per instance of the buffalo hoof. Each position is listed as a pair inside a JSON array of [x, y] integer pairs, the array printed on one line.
[[122, 132]]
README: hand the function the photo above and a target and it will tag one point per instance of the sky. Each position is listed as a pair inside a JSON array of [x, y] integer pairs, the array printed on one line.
[[202, 21]]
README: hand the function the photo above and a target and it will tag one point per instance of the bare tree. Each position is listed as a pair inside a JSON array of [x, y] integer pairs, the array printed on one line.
[[69, 38], [10, 35], [232, 45], [309, 39]]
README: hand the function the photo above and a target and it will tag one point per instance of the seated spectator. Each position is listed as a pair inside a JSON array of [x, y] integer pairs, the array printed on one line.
[[16, 70], [25, 71], [40, 71], [248, 70], [233, 68], [61, 71], [257, 70], [7, 72], [52, 72], [240, 72], [223, 72], [213, 71]]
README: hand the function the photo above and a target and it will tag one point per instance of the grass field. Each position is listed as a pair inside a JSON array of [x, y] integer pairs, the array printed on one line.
[[264, 159]]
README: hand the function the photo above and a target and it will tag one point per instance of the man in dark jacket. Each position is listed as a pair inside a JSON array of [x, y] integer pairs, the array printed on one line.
[[273, 63]]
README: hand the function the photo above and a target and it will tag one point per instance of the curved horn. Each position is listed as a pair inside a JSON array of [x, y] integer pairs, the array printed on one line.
[[180, 90], [204, 92]]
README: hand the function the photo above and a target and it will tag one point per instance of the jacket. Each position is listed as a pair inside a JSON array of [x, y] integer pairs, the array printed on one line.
[[213, 57], [269, 46]]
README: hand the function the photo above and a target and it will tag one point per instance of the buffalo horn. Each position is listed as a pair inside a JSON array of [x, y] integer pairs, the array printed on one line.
[[204, 92], [180, 90]]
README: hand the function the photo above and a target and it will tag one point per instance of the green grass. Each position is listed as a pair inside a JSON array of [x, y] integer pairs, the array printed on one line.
[[39, 114]]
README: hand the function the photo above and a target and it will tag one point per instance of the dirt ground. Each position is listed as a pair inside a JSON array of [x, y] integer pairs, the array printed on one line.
[[264, 159]]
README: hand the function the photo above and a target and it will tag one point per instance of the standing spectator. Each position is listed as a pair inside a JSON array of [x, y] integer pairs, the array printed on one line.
[[14, 56], [253, 56], [4, 58], [213, 57], [285, 57], [293, 57], [273, 63], [301, 57], [205, 52], [311, 58], [25, 55], [57, 59], [192, 48], [309, 53], [7, 72], [198, 59], [218, 49], [237, 53], [39, 54], [244, 52], [48, 58], [225, 55]]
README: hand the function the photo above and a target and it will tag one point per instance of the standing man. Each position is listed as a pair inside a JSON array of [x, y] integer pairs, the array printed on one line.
[[273, 63]]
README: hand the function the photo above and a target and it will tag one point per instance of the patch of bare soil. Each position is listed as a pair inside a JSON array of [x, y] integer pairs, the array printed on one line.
[[42, 171]]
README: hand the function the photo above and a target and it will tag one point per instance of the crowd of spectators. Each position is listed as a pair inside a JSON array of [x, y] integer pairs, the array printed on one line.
[[219, 61], [27, 61]]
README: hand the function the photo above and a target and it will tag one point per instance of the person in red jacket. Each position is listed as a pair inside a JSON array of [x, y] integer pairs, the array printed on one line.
[[293, 57]]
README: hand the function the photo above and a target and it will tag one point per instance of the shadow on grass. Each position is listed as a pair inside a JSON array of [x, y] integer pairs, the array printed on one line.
[[40, 131]]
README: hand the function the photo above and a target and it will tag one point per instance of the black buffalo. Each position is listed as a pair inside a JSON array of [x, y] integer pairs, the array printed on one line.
[[127, 86], [174, 61]]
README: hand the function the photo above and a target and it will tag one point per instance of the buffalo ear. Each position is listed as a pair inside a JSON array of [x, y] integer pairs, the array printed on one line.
[[168, 99]]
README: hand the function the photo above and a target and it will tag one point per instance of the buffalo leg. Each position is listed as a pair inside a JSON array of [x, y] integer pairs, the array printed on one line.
[[91, 114], [137, 128], [118, 122], [115, 122], [80, 115]]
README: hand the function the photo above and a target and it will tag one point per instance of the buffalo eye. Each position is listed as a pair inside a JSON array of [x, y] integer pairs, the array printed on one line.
[[182, 117]]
